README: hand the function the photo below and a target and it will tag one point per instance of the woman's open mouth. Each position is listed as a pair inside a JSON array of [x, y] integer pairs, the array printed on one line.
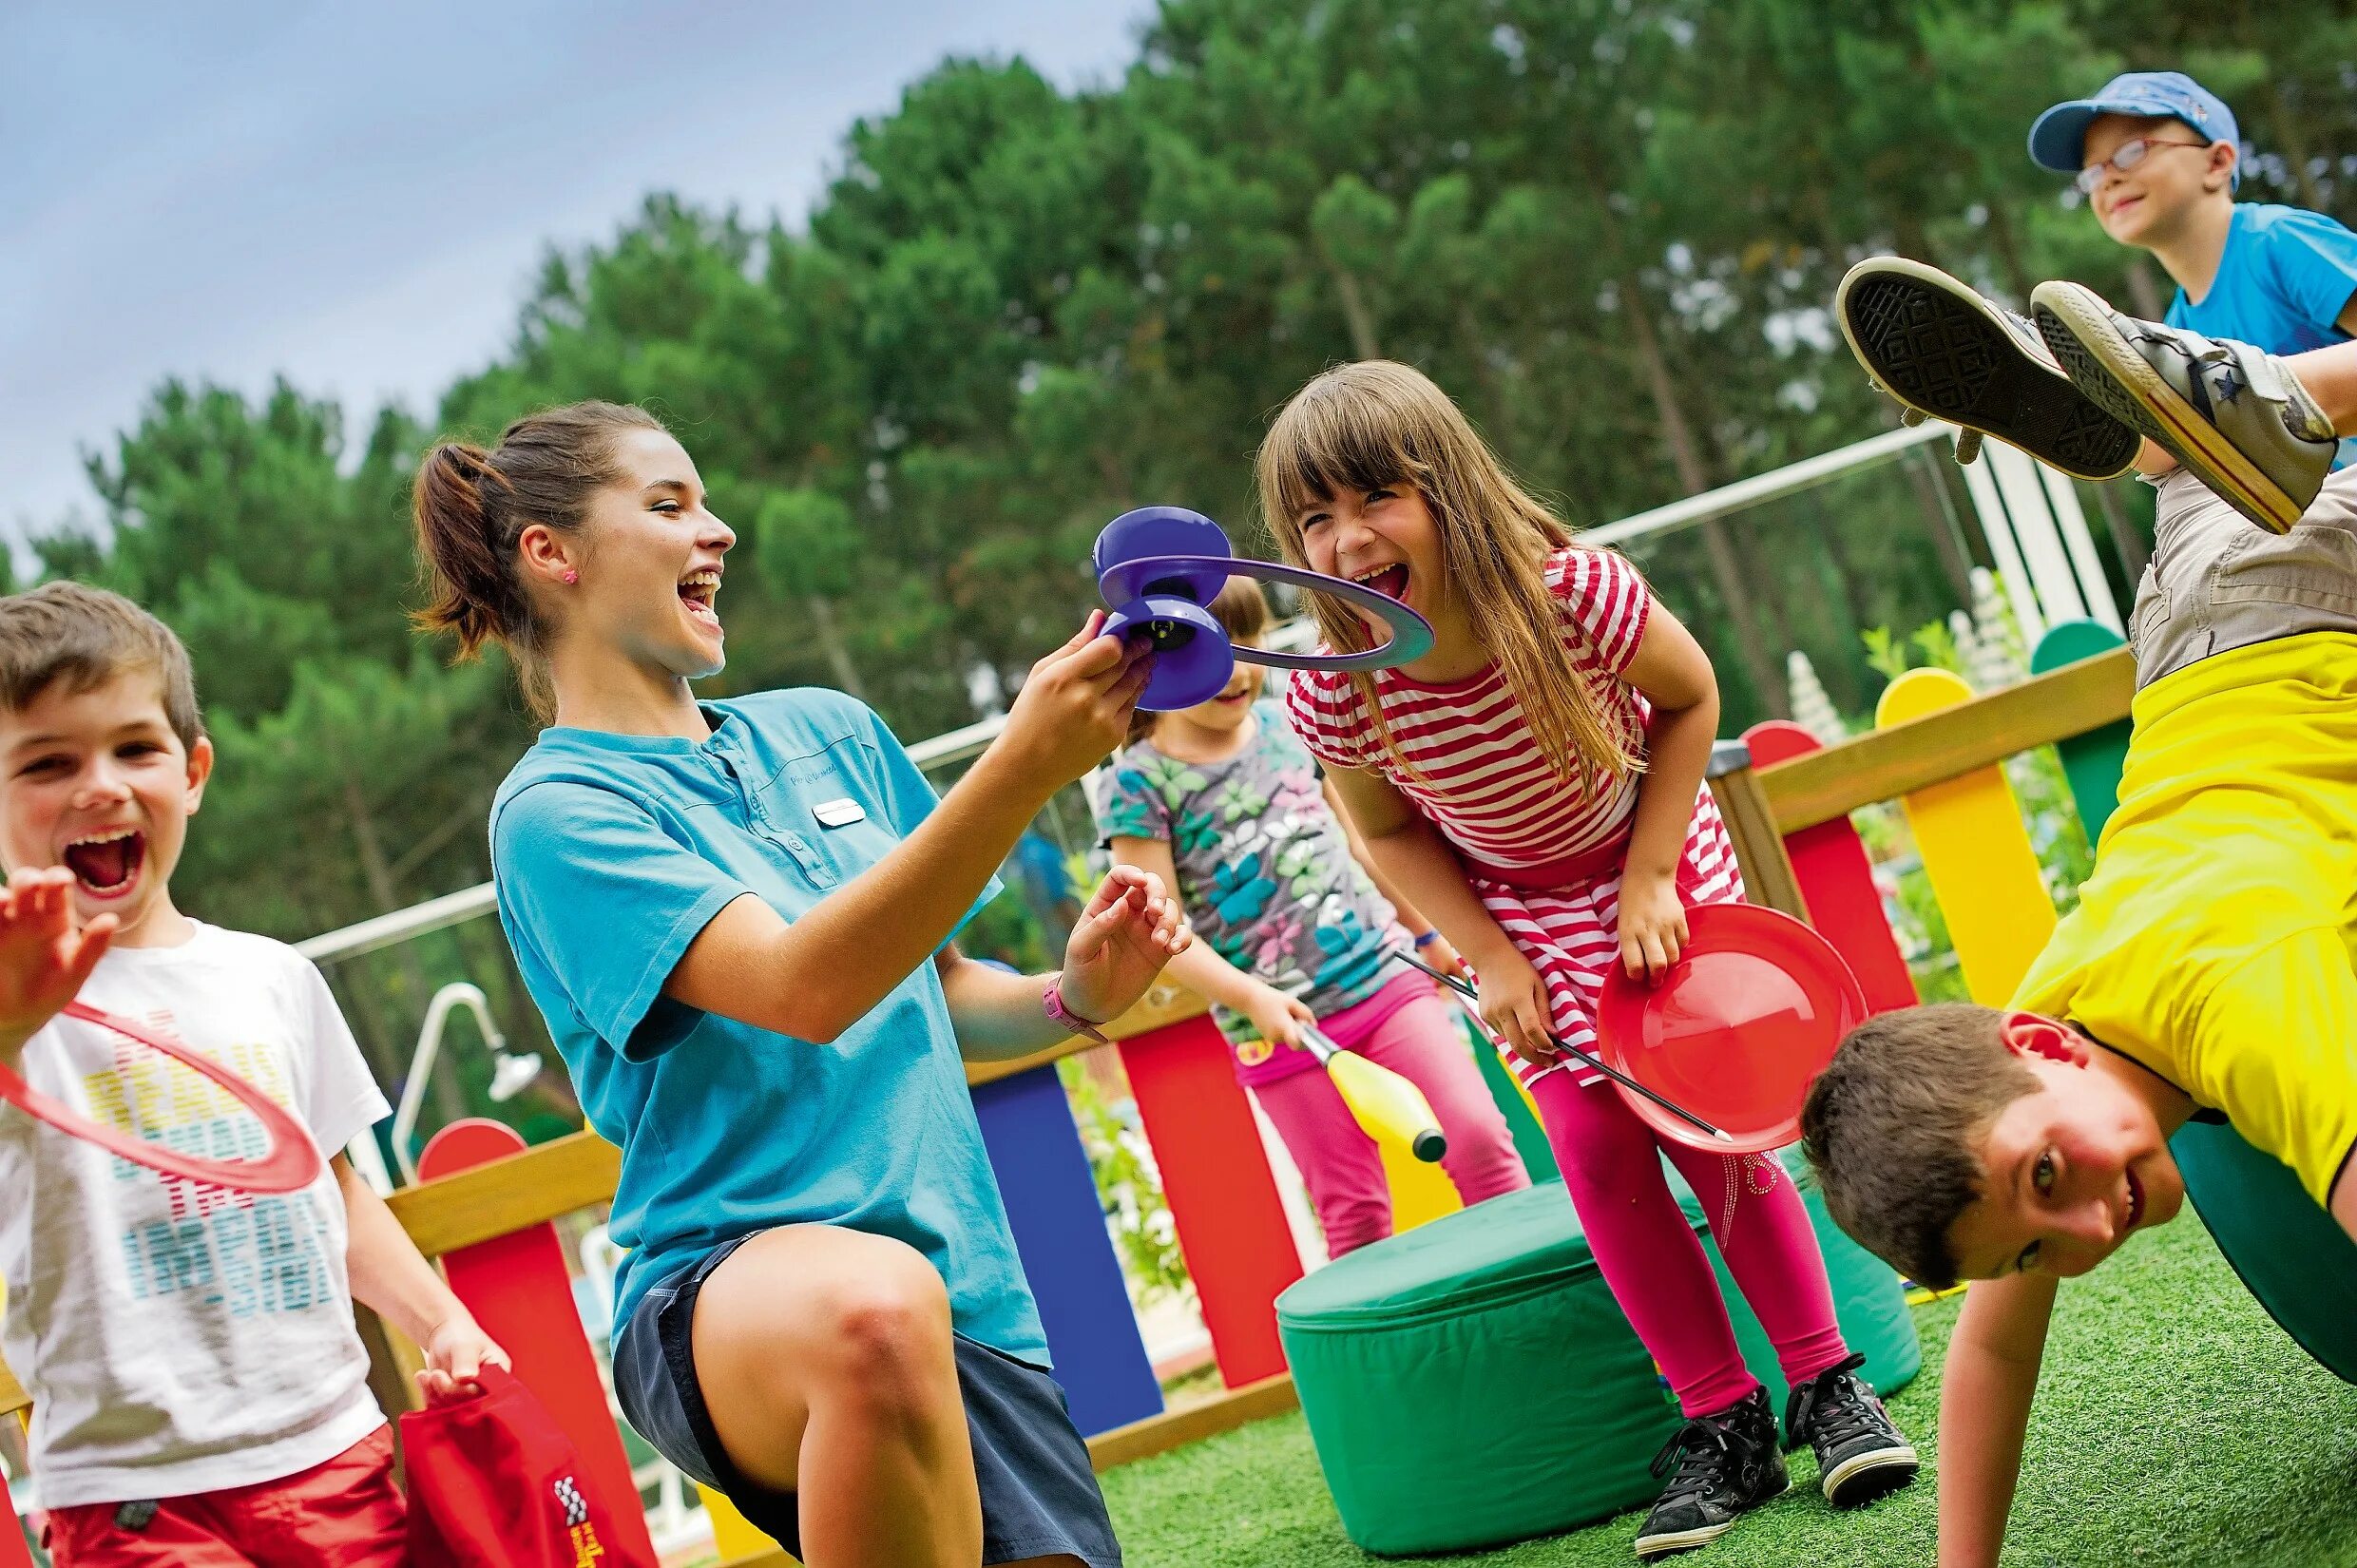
[[1390, 582], [107, 864], [2135, 1202], [697, 591]]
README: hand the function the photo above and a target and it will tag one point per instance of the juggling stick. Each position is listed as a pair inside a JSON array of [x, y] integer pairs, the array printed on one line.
[[1585, 1060], [1975, 851], [291, 1164], [1386, 1104], [1158, 567]]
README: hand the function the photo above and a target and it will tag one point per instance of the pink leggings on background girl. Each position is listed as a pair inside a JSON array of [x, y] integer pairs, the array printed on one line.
[[1655, 1263], [1340, 1163]]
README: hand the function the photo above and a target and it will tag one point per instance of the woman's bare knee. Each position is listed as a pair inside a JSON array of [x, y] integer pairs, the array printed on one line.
[[882, 1338], [808, 1321]]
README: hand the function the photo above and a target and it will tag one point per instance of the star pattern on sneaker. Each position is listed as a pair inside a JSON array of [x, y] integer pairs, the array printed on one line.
[[2231, 386]]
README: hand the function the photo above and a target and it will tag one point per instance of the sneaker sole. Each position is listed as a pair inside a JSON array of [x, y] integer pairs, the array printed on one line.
[[1930, 343], [1686, 1541], [2077, 325], [1680, 1540], [1866, 1478]]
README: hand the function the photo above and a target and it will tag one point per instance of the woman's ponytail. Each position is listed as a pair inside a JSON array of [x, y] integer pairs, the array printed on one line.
[[470, 559], [472, 507]]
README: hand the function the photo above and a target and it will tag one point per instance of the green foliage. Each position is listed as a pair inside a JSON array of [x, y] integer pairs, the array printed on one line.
[[1129, 1187], [1609, 229]]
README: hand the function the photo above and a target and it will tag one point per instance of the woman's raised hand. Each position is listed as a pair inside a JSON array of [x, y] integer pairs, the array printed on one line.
[[1075, 705], [1129, 930]]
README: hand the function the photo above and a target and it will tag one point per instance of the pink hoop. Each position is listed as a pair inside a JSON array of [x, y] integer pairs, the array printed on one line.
[[291, 1165]]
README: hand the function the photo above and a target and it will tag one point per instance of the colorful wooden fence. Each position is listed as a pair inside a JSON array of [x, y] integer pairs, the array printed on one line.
[[1787, 800]]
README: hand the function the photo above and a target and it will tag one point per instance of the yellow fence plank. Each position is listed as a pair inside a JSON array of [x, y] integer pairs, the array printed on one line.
[[1983, 868], [541, 1183]]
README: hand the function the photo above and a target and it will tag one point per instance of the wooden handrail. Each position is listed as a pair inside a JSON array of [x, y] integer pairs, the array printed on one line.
[[1906, 758]]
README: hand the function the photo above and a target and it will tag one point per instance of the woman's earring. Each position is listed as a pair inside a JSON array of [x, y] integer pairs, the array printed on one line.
[[571, 577]]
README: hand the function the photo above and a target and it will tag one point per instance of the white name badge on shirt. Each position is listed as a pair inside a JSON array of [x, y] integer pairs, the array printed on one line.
[[839, 814]]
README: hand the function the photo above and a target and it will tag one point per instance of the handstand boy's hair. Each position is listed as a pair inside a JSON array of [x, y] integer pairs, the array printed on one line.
[[1378, 423], [1241, 611], [1894, 1126], [85, 637]]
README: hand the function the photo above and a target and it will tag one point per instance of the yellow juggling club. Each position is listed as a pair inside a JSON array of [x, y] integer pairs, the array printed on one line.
[[1386, 1104]]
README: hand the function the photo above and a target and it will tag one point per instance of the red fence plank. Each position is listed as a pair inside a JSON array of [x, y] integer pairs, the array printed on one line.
[[1222, 1197], [519, 1289]]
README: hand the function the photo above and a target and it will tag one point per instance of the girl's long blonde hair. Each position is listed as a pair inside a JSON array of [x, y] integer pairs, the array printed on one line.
[[1377, 423]]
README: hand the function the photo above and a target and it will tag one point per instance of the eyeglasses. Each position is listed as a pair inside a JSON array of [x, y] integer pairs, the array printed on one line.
[[2127, 157]]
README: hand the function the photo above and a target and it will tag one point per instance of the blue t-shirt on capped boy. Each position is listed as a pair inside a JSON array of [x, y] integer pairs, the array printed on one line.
[[2285, 277], [611, 852]]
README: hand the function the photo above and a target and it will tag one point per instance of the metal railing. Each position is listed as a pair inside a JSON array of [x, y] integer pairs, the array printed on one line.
[[965, 744]]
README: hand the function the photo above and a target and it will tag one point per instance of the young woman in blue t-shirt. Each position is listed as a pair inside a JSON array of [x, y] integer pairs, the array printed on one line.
[[737, 917]]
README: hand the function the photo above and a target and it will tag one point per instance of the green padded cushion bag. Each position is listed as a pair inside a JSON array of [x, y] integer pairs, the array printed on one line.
[[2301, 1265], [1473, 1382]]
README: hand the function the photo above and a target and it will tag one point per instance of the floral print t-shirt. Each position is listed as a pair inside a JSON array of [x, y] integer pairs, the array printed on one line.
[[1266, 874]]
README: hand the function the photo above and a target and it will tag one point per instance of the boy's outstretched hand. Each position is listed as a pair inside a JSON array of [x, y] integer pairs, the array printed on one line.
[[1130, 930], [45, 955]]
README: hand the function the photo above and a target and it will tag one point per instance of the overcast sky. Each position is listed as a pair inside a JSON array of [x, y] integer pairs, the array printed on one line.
[[356, 195]]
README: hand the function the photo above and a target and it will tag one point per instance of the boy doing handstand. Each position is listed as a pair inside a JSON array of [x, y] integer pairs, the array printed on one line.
[[2207, 971]]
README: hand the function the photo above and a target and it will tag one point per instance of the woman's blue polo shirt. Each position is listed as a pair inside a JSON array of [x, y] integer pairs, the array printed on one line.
[[610, 853]]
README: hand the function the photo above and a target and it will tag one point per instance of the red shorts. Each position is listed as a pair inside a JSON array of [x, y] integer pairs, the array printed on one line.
[[345, 1513]]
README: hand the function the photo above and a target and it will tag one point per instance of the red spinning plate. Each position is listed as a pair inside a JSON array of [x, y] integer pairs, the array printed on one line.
[[1746, 1018]]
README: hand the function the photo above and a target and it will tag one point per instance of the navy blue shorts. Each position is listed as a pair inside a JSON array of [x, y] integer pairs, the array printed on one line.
[[1038, 1495]]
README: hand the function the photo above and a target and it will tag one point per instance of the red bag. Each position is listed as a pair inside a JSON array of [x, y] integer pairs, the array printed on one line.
[[494, 1483]]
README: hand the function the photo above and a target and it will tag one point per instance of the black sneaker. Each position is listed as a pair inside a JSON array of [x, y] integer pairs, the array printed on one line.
[[1860, 1454], [1727, 1466], [1943, 350], [2232, 415]]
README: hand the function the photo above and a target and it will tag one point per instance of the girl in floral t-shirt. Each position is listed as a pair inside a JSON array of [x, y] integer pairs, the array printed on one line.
[[1226, 806]]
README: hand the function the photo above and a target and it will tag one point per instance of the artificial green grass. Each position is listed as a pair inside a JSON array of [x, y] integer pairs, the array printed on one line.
[[2175, 1425]]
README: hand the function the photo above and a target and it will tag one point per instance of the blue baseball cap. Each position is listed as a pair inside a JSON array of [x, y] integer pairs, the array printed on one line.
[[2059, 140]]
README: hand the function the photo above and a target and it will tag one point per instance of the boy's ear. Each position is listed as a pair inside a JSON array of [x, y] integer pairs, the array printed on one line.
[[2033, 1035], [2220, 175], [200, 770]]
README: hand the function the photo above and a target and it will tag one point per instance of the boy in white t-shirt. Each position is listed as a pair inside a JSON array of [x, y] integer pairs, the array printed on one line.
[[200, 1391]]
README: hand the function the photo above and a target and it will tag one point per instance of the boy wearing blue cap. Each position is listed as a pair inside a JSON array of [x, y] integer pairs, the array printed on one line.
[[2158, 157]]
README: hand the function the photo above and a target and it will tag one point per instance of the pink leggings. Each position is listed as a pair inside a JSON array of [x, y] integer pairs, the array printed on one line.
[[1655, 1263], [1340, 1163]]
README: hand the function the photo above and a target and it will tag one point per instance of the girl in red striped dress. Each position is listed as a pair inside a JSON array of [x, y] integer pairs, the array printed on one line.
[[1534, 785]]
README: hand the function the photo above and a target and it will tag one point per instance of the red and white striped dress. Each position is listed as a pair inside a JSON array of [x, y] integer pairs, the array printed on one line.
[[1485, 785]]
